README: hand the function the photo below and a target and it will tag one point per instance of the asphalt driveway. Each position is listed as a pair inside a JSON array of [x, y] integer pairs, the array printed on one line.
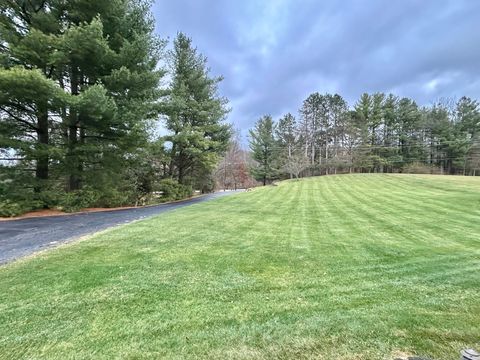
[[25, 236]]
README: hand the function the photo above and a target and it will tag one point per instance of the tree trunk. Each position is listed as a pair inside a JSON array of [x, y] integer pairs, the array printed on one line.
[[326, 159], [319, 164], [312, 159], [72, 156], [41, 170], [180, 174], [73, 180], [289, 158], [224, 176]]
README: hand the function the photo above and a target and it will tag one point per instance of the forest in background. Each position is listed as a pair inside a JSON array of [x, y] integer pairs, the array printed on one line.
[[380, 133]]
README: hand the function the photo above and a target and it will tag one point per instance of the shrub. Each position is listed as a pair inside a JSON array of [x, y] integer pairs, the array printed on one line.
[[9, 208], [113, 197], [49, 198], [77, 200], [172, 190]]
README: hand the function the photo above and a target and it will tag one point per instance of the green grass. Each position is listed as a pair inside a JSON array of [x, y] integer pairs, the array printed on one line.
[[347, 267]]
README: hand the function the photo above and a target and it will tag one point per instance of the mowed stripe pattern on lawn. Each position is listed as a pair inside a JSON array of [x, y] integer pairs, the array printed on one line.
[[350, 266]]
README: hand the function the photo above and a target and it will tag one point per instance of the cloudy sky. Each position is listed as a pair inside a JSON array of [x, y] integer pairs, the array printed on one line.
[[273, 53]]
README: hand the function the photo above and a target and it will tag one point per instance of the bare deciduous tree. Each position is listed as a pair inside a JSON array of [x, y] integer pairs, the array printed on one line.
[[296, 164], [232, 171]]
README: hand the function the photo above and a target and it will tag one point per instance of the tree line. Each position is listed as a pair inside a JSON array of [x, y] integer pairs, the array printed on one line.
[[81, 92], [380, 133], [83, 85]]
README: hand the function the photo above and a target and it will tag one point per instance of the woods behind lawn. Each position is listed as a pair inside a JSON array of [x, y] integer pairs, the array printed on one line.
[[352, 266]]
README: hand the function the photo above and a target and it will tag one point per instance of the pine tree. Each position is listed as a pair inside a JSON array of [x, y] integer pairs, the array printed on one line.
[[467, 113], [108, 53], [338, 110], [28, 94], [287, 136], [389, 150], [196, 114], [80, 87], [315, 125], [264, 149], [409, 127]]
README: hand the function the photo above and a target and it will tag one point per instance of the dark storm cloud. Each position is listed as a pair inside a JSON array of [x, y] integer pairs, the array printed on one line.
[[274, 53]]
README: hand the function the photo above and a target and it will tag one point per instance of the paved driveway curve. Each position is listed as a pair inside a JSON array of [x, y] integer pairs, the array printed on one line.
[[25, 236]]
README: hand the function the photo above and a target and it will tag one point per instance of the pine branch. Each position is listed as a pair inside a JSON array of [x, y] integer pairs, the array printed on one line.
[[30, 125]]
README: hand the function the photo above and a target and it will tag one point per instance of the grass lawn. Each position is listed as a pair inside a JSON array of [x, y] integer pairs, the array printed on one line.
[[337, 267]]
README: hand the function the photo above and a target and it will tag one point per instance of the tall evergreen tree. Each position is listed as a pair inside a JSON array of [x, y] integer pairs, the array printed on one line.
[[315, 123], [388, 149], [28, 94], [196, 114], [409, 127], [264, 149], [338, 109], [107, 52], [467, 114], [467, 125], [288, 142], [80, 87]]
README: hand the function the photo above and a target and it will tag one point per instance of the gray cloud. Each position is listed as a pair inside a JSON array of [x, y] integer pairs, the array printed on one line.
[[274, 53]]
